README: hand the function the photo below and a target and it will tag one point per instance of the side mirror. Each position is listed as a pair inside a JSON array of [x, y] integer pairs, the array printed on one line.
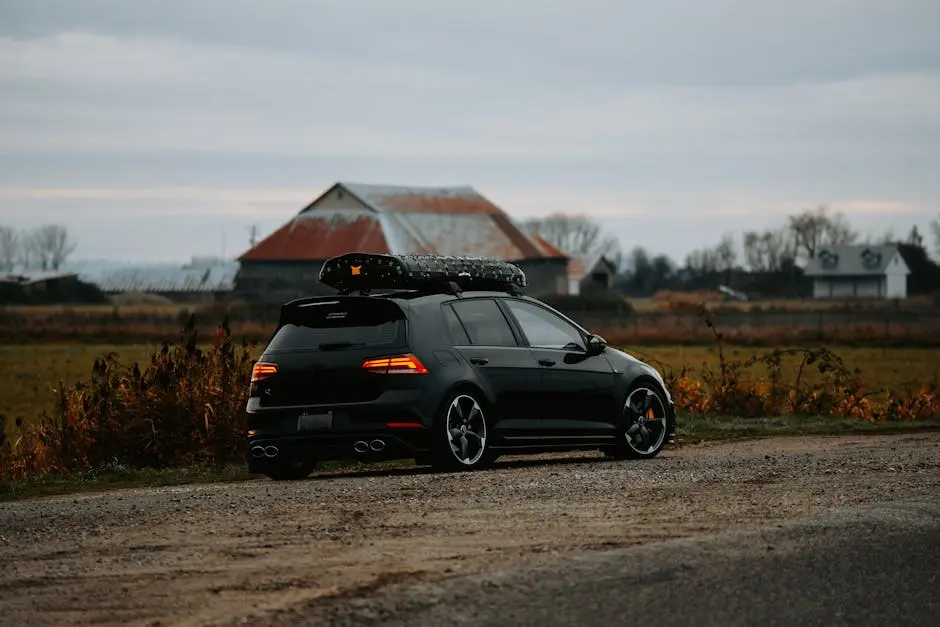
[[596, 345]]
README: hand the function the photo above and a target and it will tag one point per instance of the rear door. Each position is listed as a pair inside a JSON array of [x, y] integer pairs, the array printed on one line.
[[578, 389], [483, 336], [320, 348]]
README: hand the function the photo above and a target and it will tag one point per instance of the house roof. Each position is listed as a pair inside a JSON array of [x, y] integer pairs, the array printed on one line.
[[401, 220], [217, 277], [855, 260], [580, 267]]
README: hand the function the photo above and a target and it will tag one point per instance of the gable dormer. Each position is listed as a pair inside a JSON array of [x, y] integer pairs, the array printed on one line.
[[871, 259], [828, 259]]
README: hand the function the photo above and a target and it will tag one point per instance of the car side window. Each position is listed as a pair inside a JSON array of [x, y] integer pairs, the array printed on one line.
[[544, 329], [485, 323], [458, 335]]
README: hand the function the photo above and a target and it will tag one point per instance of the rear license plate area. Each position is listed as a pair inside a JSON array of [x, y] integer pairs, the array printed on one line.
[[315, 422]]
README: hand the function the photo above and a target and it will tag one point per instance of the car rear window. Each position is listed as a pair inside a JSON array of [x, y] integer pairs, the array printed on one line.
[[339, 324]]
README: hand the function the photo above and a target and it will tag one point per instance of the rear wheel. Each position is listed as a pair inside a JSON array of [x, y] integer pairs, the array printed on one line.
[[644, 423], [292, 470], [461, 435]]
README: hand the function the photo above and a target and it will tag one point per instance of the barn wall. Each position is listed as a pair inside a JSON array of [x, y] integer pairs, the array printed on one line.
[[545, 276], [336, 198], [301, 277]]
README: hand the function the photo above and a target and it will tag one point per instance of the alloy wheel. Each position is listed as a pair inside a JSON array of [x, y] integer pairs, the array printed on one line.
[[466, 430], [645, 421]]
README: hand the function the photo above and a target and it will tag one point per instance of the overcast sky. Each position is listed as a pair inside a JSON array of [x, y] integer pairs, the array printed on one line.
[[156, 130]]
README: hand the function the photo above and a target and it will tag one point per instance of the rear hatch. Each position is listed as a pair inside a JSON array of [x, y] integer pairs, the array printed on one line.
[[321, 346]]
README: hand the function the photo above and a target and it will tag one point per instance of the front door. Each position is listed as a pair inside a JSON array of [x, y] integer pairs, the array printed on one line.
[[578, 389]]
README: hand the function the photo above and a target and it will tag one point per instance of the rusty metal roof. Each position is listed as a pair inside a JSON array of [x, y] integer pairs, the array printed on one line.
[[402, 220], [548, 248]]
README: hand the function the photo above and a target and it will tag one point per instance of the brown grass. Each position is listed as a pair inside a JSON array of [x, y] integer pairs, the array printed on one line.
[[184, 404], [149, 325]]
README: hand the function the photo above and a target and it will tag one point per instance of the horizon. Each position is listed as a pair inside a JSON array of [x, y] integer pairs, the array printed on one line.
[[155, 132]]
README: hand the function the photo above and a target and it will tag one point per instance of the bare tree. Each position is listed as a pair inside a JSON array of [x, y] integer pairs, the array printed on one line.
[[702, 262], [935, 227], [51, 246], [726, 253], [813, 230], [9, 248], [768, 251], [914, 238], [579, 236]]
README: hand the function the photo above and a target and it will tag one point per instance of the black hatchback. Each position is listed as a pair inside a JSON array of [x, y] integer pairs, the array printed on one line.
[[445, 361]]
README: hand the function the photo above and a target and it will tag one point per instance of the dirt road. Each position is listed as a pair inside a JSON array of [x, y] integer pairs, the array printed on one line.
[[293, 553]]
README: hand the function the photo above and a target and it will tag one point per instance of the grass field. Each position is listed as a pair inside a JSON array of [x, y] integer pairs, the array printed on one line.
[[30, 372]]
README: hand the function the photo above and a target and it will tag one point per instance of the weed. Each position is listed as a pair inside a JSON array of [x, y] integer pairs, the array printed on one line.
[[186, 406]]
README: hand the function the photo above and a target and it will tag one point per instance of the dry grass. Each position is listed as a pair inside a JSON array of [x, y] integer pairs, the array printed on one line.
[[184, 405], [31, 373], [667, 301]]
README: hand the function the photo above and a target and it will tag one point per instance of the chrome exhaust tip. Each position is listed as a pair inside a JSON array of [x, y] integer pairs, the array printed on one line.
[[270, 451], [361, 446], [377, 445], [257, 451]]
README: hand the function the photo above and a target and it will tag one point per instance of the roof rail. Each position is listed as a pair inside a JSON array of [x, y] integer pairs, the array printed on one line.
[[366, 272]]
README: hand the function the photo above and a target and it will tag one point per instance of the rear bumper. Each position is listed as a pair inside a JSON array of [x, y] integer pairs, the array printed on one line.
[[266, 452], [396, 426]]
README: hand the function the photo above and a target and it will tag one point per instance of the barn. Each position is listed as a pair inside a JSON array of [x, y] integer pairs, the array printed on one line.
[[351, 217], [860, 271]]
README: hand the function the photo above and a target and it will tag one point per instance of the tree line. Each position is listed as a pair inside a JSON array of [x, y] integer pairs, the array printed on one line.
[[43, 248], [772, 258]]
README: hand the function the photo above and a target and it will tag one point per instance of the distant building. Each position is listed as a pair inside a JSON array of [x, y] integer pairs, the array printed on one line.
[[860, 271], [204, 278], [591, 275], [34, 288], [388, 219]]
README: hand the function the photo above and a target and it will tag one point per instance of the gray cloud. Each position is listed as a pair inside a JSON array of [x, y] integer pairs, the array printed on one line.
[[648, 110]]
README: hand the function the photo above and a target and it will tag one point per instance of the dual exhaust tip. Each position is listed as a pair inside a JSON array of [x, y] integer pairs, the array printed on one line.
[[264, 451], [360, 446], [363, 447]]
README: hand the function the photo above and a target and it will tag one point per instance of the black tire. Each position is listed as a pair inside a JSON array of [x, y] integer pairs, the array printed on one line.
[[293, 470], [640, 437], [473, 413]]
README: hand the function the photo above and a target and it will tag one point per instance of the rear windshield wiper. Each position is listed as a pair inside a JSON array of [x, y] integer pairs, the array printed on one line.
[[332, 346]]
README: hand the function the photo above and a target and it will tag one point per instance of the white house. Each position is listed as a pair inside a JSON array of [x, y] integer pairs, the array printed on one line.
[[859, 271]]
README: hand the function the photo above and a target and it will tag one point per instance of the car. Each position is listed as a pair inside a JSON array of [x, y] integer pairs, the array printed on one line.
[[444, 360]]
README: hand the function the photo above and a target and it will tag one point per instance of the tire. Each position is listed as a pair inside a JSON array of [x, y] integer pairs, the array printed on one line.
[[293, 470], [642, 434], [461, 434]]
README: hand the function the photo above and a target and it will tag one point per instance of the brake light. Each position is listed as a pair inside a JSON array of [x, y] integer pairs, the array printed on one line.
[[399, 364], [263, 370]]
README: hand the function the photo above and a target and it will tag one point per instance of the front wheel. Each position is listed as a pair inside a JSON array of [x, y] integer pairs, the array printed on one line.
[[644, 423], [461, 435]]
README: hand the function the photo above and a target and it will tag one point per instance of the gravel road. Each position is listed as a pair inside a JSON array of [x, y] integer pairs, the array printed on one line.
[[337, 548]]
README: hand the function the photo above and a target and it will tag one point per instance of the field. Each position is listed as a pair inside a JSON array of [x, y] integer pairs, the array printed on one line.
[[30, 372]]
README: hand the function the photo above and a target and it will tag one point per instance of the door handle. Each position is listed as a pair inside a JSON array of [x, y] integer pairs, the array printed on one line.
[[547, 362], [479, 361]]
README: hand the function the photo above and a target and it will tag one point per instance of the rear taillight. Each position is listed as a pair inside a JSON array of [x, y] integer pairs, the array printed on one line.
[[399, 364], [263, 370]]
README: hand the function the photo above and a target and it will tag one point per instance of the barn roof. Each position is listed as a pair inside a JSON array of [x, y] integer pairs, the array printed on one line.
[[401, 220], [854, 260]]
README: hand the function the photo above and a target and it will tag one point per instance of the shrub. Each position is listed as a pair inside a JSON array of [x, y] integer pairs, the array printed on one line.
[[185, 407], [838, 392]]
